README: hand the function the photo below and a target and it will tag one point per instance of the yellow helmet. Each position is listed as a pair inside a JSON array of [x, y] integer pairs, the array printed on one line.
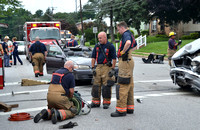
[[6, 37], [172, 34]]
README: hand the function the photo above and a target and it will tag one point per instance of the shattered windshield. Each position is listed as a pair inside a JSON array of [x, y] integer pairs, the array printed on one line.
[[47, 33]]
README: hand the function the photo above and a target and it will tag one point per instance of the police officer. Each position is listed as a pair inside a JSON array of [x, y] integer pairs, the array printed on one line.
[[172, 46], [6, 52], [60, 91], [124, 87], [15, 51], [72, 42], [39, 52], [104, 54]]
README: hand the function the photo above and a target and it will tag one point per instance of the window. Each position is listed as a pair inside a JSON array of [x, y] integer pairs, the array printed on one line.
[[154, 25]]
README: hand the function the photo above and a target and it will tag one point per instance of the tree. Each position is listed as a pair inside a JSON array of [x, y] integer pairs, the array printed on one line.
[[67, 26], [133, 12], [38, 13], [48, 15], [175, 11]]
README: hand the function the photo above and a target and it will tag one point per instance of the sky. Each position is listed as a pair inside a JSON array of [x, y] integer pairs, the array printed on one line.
[[59, 5]]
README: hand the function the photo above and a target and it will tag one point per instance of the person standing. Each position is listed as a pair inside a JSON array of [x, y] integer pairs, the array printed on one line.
[[38, 51], [6, 53], [15, 51], [72, 42], [125, 85], [104, 54], [172, 46], [10, 51], [60, 91]]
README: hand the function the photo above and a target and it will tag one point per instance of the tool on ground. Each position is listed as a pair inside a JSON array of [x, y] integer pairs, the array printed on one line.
[[20, 117], [7, 107], [19, 93], [139, 100], [68, 125], [30, 82], [80, 103]]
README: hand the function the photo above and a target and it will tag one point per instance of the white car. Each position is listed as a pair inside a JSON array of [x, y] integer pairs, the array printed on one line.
[[21, 47]]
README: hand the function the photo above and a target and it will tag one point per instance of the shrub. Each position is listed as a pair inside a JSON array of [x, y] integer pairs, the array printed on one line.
[[119, 36], [194, 35], [184, 37], [162, 36], [136, 36], [145, 32]]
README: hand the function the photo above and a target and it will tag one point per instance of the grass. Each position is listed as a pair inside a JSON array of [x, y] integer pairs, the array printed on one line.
[[158, 47]]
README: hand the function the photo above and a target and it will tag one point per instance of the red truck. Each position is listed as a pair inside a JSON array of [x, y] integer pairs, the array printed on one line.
[[48, 32]]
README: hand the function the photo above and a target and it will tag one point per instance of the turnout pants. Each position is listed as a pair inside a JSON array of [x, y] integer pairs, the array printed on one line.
[[170, 53], [38, 62], [59, 102], [102, 82], [125, 85]]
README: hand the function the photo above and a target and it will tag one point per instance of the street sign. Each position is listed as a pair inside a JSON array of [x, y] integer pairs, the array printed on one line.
[[94, 29]]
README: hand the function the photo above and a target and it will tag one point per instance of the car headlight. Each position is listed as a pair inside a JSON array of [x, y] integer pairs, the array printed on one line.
[[81, 67]]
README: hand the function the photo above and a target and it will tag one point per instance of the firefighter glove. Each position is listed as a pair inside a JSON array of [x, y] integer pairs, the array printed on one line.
[[93, 71], [122, 52], [111, 72], [179, 42]]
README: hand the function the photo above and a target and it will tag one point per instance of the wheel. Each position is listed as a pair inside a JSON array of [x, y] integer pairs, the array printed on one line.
[[184, 86]]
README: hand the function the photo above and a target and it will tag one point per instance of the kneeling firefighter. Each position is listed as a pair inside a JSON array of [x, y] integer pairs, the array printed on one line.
[[104, 54], [60, 91], [38, 51], [125, 85]]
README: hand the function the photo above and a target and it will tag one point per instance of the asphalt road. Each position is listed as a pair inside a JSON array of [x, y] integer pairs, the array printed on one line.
[[164, 106]]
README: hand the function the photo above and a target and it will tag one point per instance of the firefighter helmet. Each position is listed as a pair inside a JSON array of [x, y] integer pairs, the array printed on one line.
[[172, 34], [6, 37]]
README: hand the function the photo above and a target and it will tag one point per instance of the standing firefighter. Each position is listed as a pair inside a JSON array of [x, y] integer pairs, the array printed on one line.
[[72, 42], [6, 52], [10, 51], [39, 53], [172, 46], [104, 54], [124, 88], [60, 91]]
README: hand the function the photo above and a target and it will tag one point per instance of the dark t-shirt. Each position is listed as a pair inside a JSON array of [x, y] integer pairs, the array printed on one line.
[[171, 44], [127, 35], [101, 57], [37, 47], [15, 44], [5, 45]]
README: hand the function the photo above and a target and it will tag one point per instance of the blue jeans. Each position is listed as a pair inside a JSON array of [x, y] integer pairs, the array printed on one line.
[[6, 60]]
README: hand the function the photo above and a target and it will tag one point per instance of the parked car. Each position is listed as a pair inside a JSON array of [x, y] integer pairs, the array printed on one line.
[[81, 56], [185, 71], [21, 47]]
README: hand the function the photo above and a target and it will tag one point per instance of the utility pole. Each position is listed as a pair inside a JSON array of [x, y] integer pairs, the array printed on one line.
[[111, 24], [76, 5], [81, 17]]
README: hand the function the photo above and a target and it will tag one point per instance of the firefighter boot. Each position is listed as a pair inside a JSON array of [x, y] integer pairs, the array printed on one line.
[[130, 111], [117, 114], [42, 115], [55, 116], [94, 105], [105, 106]]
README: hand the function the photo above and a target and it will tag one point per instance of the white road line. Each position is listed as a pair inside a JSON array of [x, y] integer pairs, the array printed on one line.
[[112, 100]]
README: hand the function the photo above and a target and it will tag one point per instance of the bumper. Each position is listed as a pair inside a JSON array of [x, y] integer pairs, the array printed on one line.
[[83, 74], [185, 77]]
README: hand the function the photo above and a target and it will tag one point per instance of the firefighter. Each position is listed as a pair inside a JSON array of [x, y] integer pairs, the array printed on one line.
[[104, 54], [6, 52], [10, 47], [125, 85], [38, 51], [72, 42], [172, 46], [60, 91]]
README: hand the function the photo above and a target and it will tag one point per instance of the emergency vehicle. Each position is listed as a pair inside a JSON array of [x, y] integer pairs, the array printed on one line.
[[48, 32], [65, 36]]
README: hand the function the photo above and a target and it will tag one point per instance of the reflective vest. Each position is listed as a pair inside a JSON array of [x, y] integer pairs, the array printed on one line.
[[72, 42], [119, 50], [97, 53], [58, 75]]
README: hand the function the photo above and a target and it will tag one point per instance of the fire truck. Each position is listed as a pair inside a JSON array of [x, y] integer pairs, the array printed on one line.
[[48, 32]]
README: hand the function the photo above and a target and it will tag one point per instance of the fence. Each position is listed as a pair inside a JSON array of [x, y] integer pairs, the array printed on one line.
[[141, 41]]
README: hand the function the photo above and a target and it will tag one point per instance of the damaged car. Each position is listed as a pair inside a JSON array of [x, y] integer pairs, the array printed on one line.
[[185, 70]]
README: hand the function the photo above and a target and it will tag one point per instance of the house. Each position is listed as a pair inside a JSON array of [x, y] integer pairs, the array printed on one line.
[[79, 26], [181, 28]]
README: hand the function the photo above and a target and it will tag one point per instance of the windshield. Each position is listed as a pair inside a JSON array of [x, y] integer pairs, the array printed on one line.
[[52, 51], [67, 35], [47, 33]]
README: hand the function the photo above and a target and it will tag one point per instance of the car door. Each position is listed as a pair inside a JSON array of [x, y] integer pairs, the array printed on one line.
[[55, 58]]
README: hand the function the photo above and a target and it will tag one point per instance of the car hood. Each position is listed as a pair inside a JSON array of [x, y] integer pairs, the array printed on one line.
[[190, 48], [46, 41], [80, 60]]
